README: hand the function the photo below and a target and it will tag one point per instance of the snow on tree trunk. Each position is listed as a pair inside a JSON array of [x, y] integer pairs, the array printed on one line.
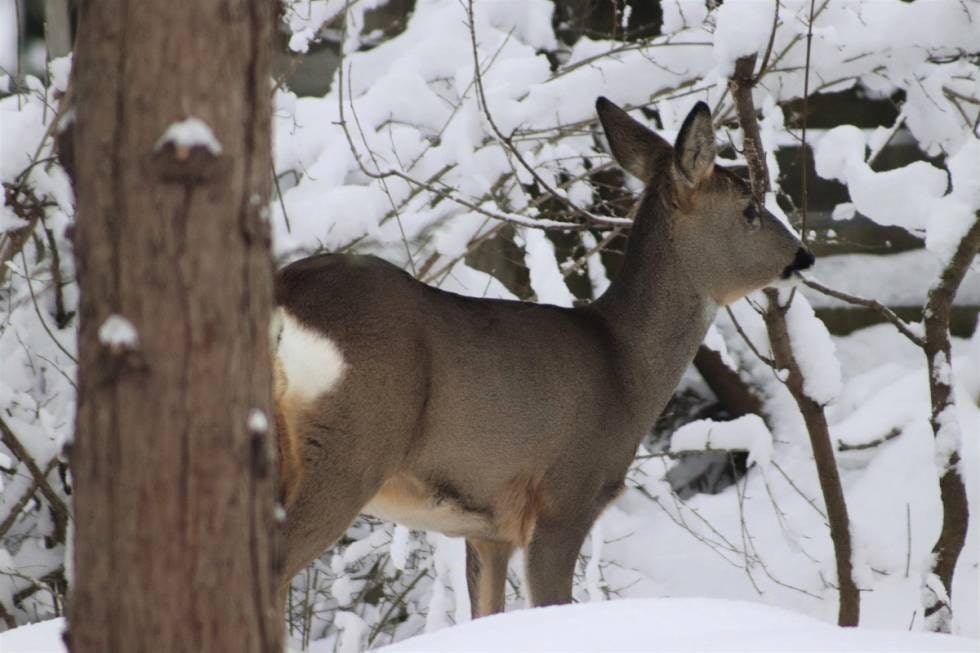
[[174, 476]]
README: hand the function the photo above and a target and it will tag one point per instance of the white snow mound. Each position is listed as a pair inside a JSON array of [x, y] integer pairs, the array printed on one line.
[[669, 625]]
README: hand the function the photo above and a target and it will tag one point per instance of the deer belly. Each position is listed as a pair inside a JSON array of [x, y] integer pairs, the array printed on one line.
[[408, 501]]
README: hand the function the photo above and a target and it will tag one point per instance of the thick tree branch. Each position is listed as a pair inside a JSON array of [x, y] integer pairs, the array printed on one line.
[[733, 393]]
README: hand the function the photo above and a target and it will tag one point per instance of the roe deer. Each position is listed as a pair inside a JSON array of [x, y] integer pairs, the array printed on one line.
[[508, 423]]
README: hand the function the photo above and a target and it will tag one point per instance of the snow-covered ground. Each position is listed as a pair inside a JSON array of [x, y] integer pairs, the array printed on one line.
[[670, 625], [703, 625]]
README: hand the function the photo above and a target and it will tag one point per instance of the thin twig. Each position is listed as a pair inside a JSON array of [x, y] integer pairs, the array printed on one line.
[[908, 538], [37, 310], [282, 202], [394, 604], [370, 151], [738, 327], [899, 121], [802, 494], [806, 110], [581, 261], [506, 141], [873, 304], [772, 39], [891, 435], [549, 225], [644, 44]]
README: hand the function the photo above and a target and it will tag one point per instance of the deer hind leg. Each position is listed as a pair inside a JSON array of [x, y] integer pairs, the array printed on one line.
[[550, 560], [486, 575], [336, 485]]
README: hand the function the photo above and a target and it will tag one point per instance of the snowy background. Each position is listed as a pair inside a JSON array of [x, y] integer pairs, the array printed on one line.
[[400, 158]]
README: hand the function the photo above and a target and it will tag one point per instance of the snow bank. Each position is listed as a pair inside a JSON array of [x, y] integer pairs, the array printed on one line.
[[748, 433], [669, 625], [626, 625], [43, 637]]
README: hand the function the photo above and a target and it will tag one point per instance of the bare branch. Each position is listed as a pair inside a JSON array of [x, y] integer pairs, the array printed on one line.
[[772, 39], [37, 310], [16, 509], [891, 435], [806, 112], [550, 225], [62, 514], [506, 141], [873, 304]]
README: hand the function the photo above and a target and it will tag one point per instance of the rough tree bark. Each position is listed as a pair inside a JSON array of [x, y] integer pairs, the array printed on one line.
[[175, 537], [848, 613]]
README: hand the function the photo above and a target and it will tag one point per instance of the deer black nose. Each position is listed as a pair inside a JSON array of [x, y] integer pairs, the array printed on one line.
[[804, 259]]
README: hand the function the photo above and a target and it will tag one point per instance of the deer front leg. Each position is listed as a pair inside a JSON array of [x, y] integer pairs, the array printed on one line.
[[550, 560], [486, 575]]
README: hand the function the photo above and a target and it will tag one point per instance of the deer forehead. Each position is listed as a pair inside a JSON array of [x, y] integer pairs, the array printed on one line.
[[311, 362]]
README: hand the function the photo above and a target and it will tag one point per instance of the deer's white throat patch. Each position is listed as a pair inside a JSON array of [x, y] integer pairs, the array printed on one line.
[[311, 362]]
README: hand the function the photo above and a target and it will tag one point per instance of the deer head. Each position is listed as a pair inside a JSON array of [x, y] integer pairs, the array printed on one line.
[[725, 240]]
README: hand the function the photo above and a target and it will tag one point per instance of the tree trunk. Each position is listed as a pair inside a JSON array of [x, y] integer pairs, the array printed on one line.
[[175, 537], [945, 427], [849, 608]]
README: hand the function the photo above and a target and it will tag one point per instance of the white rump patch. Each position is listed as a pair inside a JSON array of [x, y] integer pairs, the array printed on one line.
[[311, 362]]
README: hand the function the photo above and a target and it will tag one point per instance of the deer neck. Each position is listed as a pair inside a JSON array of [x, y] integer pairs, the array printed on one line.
[[657, 315]]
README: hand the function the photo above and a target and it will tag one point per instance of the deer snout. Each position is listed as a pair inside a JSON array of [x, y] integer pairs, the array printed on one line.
[[804, 258]]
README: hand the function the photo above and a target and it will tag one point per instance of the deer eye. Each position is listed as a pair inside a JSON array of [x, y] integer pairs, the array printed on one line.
[[751, 213]]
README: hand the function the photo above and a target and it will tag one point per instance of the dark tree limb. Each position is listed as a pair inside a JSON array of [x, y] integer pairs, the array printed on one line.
[[823, 455], [58, 507], [952, 490], [19, 506], [733, 393], [848, 614]]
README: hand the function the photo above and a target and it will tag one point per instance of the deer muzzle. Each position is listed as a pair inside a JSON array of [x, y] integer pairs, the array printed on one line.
[[804, 259]]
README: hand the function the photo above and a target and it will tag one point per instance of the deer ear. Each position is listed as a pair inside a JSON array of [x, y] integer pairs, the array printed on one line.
[[636, 149], [694, 152]]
